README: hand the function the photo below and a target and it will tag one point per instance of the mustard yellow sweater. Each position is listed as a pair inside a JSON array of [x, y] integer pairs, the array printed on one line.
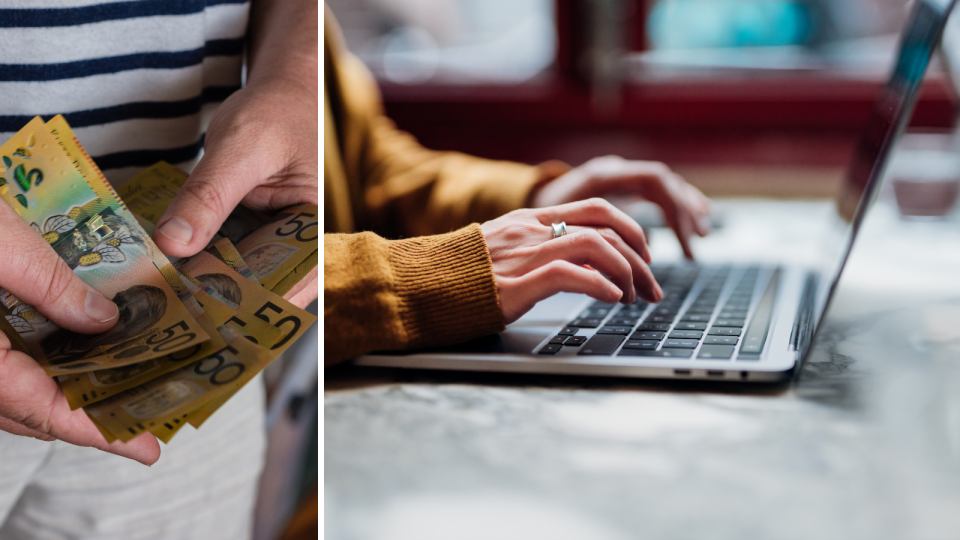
[[420, 290]]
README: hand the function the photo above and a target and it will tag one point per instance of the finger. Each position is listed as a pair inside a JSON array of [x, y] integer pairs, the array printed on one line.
[[643, 280], [585, 247], [306, 290], [682, 227], [32, 271], [700, 206], [598, 213], [222, 178], [518, 295], [33, 400]]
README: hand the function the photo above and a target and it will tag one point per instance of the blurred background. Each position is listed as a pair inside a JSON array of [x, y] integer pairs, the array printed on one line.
[[742, 97]]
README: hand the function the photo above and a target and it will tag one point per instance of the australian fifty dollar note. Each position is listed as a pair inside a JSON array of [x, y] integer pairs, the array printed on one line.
[[114, 256]]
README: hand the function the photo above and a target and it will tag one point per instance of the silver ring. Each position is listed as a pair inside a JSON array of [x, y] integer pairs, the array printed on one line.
[[559, 229]]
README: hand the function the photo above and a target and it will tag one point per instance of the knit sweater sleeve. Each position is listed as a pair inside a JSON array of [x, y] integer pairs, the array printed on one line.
[[399, 294]]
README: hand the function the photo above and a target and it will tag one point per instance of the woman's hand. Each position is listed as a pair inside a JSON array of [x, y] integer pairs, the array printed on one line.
[[684, 208], [530, 264]]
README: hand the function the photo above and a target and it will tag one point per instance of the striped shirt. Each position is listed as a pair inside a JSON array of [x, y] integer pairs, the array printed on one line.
[[137, 80]]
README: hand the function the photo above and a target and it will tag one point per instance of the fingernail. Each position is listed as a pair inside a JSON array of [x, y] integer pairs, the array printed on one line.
[[178, 230], [99, 308], [615, 294]]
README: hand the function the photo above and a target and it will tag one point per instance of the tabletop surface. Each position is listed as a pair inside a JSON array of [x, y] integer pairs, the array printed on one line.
[[864, 443]]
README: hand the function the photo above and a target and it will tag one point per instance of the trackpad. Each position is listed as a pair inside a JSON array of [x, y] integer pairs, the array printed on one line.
[[512, 341]]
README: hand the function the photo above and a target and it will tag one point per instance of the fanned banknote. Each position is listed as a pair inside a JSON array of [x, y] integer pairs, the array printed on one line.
[[83, 389], [160, 405], [256, 306], [296, 275], [280, 245], [224, 250], [48, 191]]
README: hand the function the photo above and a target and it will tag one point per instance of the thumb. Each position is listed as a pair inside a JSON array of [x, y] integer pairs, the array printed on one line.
[[222, 178], [31, 270]]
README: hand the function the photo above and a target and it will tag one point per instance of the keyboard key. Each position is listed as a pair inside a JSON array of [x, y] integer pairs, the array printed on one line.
[[574, 341], [599, 304], [597, 313], [664, 353], [551, 348], [732, 315], [724, 331], [585, 323], [658, 327], [615, 330], [622, 321], [721, 340], [559, 340], [696, 317], [601, 345], [660, 319], [640, 344], [736, 306], [686, 334], [569, 331], [680, 344], [716, 352], [732, 323], [702, 310], [690, 326], [648, 334], [666, 311]]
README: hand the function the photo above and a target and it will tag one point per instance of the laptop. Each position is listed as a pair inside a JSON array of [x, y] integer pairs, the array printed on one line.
[[751, 323]]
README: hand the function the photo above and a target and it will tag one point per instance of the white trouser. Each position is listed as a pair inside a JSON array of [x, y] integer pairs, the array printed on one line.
[[203, 486]]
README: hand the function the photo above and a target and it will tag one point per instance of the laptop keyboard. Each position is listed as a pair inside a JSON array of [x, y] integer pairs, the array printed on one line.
[[707, 313]]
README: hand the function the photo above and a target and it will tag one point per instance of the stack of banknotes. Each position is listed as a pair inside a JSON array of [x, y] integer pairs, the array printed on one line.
[[192, 331]]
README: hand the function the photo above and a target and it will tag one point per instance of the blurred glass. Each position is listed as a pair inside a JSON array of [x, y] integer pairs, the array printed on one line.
[[925, 175], [453, 41]]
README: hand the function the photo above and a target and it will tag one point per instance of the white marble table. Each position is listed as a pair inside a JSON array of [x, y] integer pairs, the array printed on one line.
[[864, 444]]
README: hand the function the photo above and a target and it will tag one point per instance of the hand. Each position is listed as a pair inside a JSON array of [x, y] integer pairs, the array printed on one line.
[[260, 151], [31, 403], [529, 264], [684, 208]]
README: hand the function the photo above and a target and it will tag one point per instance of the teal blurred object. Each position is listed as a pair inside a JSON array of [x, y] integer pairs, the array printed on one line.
[[695, 24]]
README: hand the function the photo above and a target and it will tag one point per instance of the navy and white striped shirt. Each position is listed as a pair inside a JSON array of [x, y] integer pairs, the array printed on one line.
[[137, 80]]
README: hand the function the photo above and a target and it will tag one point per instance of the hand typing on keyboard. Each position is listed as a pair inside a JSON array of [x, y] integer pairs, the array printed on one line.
[[529, 264], [684, 208]]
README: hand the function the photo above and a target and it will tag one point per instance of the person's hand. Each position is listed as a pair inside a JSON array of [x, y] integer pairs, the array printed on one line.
[[684, 207], [529, 264], [31, 403], [260, 151]]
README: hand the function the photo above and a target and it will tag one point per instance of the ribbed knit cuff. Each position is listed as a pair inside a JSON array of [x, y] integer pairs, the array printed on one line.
[[446, 288]]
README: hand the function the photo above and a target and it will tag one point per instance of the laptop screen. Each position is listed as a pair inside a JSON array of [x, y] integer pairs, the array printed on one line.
[[890, 115]]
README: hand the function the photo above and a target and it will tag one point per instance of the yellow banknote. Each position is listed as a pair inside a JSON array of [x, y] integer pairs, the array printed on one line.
[[296, 275], [82, 389], [224, 250], [153, 189], [106, 248], [16, 342], [160, 405], [280, 245], [257, 308]]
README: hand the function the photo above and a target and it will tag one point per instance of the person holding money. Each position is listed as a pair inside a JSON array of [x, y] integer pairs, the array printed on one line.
[[436, 287], [138, 81]]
